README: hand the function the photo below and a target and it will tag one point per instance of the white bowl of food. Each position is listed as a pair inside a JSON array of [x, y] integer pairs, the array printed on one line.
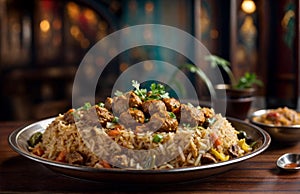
[[283, 124]]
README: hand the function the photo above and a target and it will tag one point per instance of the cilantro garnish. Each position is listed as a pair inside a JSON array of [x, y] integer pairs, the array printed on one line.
[[101, 104], [142, 93], [158, 92], [86, 106], [118, 93], [172, 115], [115, 119]]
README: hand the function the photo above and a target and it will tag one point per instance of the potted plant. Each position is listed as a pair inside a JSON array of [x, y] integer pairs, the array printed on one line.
[[240, 93]]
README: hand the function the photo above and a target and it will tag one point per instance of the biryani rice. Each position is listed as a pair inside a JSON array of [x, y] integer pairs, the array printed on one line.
[[140, 129], [61, 136]]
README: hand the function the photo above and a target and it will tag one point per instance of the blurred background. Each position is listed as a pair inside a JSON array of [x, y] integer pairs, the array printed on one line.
[[42, 42]]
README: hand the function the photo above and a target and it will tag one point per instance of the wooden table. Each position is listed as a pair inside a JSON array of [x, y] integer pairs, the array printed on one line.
[[259, 174]]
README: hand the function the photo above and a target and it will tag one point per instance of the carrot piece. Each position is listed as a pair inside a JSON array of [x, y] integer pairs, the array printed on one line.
[[105, 164], [37, 150], [113, 132], [215, 139], [61, 156], [218, 142]]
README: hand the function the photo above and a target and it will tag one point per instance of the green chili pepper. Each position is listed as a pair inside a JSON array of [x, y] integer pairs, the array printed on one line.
[[35, 139]]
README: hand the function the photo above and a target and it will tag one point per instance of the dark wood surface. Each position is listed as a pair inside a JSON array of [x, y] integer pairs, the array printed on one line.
[[259, 174]]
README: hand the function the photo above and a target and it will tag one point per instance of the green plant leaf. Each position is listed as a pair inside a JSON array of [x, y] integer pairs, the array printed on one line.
[[224, 64], [248, 80]]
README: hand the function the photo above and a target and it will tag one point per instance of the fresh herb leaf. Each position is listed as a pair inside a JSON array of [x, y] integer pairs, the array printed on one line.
[[224, 64], [172, 115], [142, 93], [115, 119], [101, 104], [153, 86], [165, 95], [248, 80], [118, 93], [211, 121], [158, 92], [135, 84], [86, 106]]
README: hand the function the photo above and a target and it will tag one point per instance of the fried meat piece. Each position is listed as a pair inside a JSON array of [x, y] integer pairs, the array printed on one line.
[[131, 118], [191, 115], [172, 104], [122, 103]]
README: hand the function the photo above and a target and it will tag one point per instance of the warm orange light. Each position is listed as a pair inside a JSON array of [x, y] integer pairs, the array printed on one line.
[[73, 10], [75, 31], [90, 16], [57, 24], [214, 33], [149, 7], [148, 66], [248, 6], [44, 25], [84, 43], [123, 66]]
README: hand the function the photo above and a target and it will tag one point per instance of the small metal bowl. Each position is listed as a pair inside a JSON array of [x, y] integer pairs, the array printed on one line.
[[284, 134], [289, 162]]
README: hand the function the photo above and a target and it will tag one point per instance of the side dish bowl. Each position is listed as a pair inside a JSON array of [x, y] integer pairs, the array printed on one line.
[[289, 162], [285, 134]]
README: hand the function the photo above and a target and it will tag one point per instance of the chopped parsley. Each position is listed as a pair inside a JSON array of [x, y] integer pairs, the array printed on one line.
[[142, 93], [172, 115], [158, 92], [101, 104], [118, 93], [115, 119]]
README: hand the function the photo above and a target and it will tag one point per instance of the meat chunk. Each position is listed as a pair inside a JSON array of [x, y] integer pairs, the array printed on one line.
[[104, 115], [160, 121], [154, 123], [74, 158], [152, 106], [69, 117], [108, 103], [208, 112], [235, 150], [169, 125], [207, 158], [131, 118], [90, 118], [96, 116], [191, 115], [120, 104], [124, 102], [172, 104]]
